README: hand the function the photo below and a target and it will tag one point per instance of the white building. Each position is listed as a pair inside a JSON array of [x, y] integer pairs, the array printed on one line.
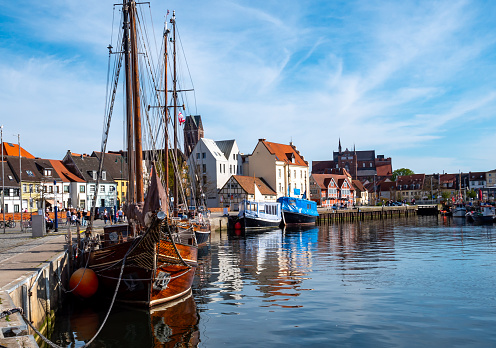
[[81, 193], [211, 164], [281, 166]]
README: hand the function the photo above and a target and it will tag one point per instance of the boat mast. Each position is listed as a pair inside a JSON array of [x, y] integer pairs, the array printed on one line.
[[137, 108], [176, 178], [129, 101], [166, 119]]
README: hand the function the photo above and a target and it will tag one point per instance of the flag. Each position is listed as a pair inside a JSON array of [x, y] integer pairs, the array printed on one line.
[[181, 118]]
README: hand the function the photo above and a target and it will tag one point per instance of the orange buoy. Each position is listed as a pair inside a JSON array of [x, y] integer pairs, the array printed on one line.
[[88, 285]]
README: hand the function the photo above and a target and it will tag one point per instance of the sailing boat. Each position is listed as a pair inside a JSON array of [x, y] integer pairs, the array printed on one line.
[[152, 259]]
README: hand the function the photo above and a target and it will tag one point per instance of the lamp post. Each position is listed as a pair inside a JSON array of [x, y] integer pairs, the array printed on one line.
[[3, 179], [56, 225]]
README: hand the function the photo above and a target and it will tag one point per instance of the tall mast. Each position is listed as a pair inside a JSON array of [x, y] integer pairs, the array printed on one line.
[[129, 102], [166, 118], [137, 107], [176, 178]]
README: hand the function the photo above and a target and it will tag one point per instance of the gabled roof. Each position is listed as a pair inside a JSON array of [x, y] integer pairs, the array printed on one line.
[[29, 169], [247, 183], [477, 175], [358, 185], [211, 146], [86, 165], [323, 180], [195, 120], [384, 170], [411, 179], [114, 163], [447, 178], [10, 149], [10, 179], [64, 174], [285, 153], [225, 146]]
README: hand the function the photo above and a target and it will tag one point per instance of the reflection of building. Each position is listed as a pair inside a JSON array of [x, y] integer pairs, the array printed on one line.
[[362, 165]]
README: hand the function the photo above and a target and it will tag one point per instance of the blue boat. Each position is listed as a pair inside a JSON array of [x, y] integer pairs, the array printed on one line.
[[298, 211], [259, 214]]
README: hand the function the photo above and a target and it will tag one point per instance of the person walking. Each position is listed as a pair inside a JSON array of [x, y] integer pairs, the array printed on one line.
[[105, 216]]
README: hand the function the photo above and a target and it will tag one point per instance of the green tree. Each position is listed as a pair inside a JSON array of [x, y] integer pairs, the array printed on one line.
[[471, 194], [402, 172]]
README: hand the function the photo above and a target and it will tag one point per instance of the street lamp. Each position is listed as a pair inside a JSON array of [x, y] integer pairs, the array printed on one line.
[[56, 226]]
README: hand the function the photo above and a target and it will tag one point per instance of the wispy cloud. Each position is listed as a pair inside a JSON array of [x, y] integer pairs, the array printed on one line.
[[402, 78]]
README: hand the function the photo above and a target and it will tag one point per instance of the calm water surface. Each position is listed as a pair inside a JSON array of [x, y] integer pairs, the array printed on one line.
[[417, 282]]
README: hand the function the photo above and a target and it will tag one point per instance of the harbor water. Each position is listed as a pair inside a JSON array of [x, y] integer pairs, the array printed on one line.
[[406, 282]]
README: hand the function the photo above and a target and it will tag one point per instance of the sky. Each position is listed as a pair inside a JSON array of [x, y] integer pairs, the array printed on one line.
[[412, 80]]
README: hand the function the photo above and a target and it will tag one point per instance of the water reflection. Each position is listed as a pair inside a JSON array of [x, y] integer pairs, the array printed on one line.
[[171, 325], [399, 282]]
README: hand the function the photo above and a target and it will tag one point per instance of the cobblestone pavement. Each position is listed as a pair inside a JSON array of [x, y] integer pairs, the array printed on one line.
[[13, 241]]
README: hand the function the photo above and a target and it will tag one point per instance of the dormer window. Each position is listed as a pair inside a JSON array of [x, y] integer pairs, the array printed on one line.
[[10, 177], [104, 175], [94, 174], [47, 172]]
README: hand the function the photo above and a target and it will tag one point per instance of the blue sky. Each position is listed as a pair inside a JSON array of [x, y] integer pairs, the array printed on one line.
[[413, 80]]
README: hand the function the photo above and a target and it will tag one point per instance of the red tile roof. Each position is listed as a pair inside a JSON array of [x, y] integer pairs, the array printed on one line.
[[10, 149], [248, 184], [64, 173], [284, 153]]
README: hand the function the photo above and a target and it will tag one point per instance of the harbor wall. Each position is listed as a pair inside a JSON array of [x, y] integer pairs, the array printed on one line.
[[39, 295]]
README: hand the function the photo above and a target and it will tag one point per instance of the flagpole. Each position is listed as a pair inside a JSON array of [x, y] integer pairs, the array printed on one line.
[[3, 179]]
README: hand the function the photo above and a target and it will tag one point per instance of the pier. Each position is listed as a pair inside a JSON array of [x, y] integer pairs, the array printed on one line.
[[373, 213]]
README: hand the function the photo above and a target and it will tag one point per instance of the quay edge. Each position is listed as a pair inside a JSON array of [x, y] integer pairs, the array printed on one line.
[[38, 293]]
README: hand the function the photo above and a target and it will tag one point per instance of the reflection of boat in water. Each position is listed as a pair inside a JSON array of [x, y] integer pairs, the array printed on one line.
[[176, 324]]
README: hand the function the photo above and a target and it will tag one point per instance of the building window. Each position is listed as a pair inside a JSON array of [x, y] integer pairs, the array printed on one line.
[[224, 166], [16, 208], [102, 188], [204, 155], [25, 188], [66, 188], [294, 173], [234, 156], [279, 173], [301, 174], [57, 189], [92, 188], [82, 189], [104, 175], [220, 167], [204, 167], [31, 188], [230, 169], [111, 188], [198, 155], [280, 187], [50, 189]]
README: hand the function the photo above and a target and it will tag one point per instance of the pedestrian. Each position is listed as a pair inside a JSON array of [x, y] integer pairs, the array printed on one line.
[[67, 217], [120, 215], [105, 216]]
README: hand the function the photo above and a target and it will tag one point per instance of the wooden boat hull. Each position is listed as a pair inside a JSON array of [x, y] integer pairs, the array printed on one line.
[[147, 286]]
